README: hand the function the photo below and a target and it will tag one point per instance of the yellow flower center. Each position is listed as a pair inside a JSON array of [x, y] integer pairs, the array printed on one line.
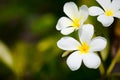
[[84, 48], [109, 13], [76, 23]]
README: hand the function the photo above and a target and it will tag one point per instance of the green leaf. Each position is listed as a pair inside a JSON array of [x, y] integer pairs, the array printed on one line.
[[5, 55], [19, 58]]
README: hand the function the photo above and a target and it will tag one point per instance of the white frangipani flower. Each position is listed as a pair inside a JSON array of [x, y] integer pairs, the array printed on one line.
[[76, 18], [84, 50], [107, 14]]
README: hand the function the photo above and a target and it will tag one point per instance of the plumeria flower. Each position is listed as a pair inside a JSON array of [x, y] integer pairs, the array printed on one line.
[[76, 18], [83, 50], [107, 14]]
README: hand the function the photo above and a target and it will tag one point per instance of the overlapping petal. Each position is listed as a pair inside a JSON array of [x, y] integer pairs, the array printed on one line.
[[67, 31], [104, 3], [105, 20], [117, 14], [98, 44], [70, 9], [94, 11], [115, 5], [91, 60], [74, 61], [83, 13], [63, 22], [86, 33], [68, 43]]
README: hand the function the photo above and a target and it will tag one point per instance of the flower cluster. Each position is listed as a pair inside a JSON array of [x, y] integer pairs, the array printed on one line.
[[85, 50]]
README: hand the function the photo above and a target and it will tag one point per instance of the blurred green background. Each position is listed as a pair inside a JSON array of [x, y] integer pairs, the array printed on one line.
[[28, 37]]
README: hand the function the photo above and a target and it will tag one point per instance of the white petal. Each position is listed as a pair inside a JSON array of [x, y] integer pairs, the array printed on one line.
[[115, 5], [86, 33], [104, 3], [70, 9], [105, 20], [74, 61], [83, 13], [67, 31], [68, 43], [63, 22], [98, 44], [91, 60], [94, 11], [117, 14], [58, 27]]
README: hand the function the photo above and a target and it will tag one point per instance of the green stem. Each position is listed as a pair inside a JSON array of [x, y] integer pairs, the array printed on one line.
[[101, 68], [114, 61]]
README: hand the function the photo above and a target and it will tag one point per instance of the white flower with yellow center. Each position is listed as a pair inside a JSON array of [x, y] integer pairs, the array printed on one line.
[[107, 14], [84, 50], [76, 18]]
